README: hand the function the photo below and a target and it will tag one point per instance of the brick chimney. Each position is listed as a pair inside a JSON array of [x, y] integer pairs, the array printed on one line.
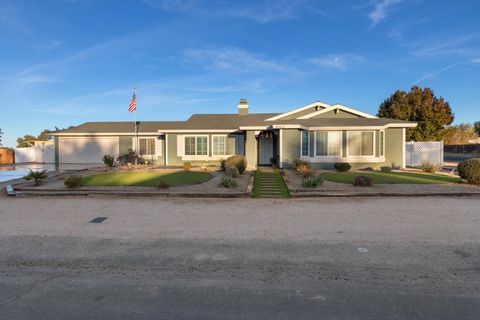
[[243, 107]]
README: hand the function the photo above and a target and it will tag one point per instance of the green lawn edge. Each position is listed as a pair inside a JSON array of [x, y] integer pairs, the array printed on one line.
[[146, 179], [391, 177]]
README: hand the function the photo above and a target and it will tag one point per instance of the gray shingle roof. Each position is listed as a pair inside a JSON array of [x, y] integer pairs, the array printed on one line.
[[223, 122]]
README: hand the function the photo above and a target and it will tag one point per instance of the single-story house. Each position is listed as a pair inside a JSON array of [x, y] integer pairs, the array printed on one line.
[[319, 133]]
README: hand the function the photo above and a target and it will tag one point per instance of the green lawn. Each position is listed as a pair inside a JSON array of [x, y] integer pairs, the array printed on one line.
[[146, 178], [391, 177]]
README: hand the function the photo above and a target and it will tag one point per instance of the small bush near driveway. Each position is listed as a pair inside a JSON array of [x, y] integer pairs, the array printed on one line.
[[342, 166], [36, 176], [73, 181], [470, 170], [363, 181], [109, 160]]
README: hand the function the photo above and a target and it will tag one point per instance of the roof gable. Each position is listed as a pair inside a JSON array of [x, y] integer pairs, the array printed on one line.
[[317, 109]]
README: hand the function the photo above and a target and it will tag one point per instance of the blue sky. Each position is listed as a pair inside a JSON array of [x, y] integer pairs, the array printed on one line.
[[65, 62]]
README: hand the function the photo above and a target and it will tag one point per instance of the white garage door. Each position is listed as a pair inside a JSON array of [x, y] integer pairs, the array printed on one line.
[[87, 150]]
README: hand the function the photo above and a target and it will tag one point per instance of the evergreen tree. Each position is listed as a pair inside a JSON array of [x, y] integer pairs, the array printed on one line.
[[1, 135], [420, 105], [476, 125]]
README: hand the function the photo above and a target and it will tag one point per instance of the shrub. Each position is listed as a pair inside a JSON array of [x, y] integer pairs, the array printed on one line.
[[227, 183], [36, 176], [312, 182], [232, 172], [274, 161], [73, 181], [395, 166], [130, 157], [428, 167], [307, 173], [222, 164], [236, 161], [342, 166], [109, 160], [300, 165], [363, 181], [187, 166], [163, 185], [470, 170], [386, 169]]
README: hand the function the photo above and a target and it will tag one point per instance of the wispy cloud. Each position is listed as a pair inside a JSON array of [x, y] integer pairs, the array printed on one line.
[[236, 60], [381, 9], [263, 11], [446, 44], [10, 17], [337, 61], [434, 74]]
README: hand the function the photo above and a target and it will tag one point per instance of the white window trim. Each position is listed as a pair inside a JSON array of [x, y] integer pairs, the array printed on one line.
[[301, 144], [196, 156], [226, 141], [158, 146], [371, 156], [382, 132], [327, 157]]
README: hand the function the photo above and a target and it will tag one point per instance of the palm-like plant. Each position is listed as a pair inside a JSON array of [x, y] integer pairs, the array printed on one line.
[[36, 176]]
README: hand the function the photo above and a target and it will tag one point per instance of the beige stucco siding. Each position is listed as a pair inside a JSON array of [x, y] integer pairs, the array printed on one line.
[[394, 146], [290, 145]]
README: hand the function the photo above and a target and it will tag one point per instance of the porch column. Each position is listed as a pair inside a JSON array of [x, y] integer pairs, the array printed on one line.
[[251, 149]]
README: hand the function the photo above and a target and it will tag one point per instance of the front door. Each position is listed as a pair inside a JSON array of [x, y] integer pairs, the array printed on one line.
[[265, 146]]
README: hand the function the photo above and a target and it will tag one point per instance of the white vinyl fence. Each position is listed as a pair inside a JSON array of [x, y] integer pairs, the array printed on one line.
[[40, 154], [417, 153]]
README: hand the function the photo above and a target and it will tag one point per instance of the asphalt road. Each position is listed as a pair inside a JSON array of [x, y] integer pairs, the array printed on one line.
[[376, 258]]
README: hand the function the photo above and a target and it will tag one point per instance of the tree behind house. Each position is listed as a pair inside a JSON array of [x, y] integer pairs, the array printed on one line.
[[476, 126], [460, 134], [420, 105]]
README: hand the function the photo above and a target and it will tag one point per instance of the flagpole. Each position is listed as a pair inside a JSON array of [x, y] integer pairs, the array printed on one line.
[[135, 124]]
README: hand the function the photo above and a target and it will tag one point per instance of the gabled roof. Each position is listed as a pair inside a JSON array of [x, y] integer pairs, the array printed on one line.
[[323, 108], [253, 121]]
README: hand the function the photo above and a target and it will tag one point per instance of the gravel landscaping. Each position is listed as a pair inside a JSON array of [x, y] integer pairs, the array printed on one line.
[[55, 183]]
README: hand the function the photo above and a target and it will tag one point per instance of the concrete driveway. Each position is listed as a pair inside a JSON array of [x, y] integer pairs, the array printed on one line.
[[376, 258]]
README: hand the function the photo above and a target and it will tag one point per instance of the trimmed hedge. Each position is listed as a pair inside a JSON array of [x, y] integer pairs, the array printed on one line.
[[470, 170], [342, 166]]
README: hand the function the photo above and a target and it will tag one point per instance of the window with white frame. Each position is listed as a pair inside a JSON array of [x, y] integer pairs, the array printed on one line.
[[196, 145], [219, 145], [382, 144], [305, 143], [361, 143], [328, 143], [146, 146]]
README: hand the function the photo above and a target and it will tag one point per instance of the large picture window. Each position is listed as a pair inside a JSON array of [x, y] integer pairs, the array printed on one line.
[[361, 143], [328, 143], [219, 145], [146, 146], [305, 143], [196, 145]]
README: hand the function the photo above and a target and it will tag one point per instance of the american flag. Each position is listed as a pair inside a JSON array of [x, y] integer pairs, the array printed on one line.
[[133, 104]]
